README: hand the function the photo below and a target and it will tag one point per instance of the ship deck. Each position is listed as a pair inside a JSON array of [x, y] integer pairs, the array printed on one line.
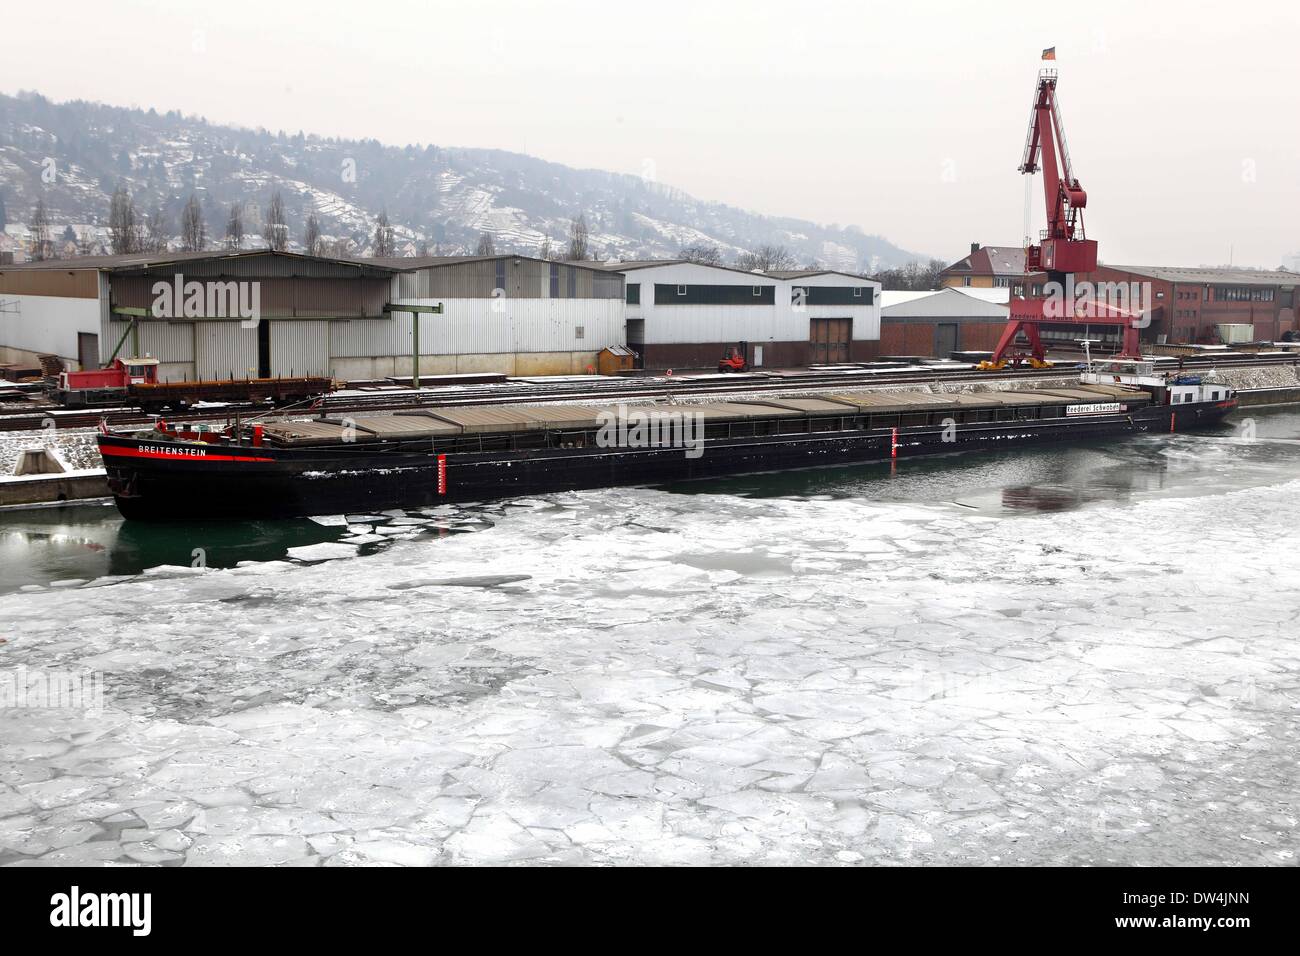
[[450, 422]]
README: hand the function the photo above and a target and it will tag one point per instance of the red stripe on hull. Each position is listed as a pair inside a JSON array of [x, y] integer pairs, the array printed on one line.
[[119, 452]]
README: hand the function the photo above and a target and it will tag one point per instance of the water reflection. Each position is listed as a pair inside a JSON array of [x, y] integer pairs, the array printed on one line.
[[83, 542], [1053, 479]]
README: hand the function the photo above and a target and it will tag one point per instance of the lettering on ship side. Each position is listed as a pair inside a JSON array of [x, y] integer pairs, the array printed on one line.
[[162, 450]]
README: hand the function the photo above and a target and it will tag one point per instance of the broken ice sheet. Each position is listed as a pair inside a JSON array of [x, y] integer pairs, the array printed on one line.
[[799, 689]]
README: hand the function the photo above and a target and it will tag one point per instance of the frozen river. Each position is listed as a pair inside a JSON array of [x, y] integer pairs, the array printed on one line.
[[1073, 656]]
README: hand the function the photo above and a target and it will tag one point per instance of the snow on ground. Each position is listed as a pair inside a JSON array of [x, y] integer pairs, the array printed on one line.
[[631, 676], [76, 446]]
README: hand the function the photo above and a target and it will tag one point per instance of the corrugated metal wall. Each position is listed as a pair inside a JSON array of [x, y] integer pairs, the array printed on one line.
[[521, 278], [300, 348], [477, 326], [224, 349], [165, 341], [311, 296]]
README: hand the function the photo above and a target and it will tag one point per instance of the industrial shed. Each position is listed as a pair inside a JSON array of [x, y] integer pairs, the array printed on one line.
[[315, 315], [939, 322], [512, 314], [684, 314]]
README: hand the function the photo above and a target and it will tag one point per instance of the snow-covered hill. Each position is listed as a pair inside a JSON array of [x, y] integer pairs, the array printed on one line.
[[73, 155]]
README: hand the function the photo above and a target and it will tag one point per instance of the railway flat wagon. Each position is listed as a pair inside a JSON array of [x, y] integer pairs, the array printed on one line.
[[134, 381]]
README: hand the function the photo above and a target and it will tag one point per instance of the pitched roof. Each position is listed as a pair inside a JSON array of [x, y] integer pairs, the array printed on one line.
[[408, 263], [809, 273], [939, 303], [785, 274], [147, 260], [1217, 276], [992, 260], [633, 264]]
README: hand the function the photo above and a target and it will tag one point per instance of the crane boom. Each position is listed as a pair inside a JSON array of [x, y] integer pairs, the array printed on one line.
[[1063, 247]]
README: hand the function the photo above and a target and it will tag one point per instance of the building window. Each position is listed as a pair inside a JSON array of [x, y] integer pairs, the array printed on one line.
[[634, 293], [501, 274], [965, 280], [671, 294], [579, 331], [855, 295], [555, 280]]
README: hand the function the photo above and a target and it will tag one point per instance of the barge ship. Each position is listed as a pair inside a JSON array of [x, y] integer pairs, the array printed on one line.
[[416, 458]]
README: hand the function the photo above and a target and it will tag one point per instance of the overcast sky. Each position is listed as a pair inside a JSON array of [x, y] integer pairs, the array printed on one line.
[[904, 118]]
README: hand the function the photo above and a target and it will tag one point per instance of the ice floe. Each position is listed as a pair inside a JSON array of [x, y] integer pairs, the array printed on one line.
[[632, 676]]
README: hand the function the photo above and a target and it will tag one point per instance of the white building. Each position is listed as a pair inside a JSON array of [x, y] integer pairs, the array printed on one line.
[[316, 315], [687, 315]]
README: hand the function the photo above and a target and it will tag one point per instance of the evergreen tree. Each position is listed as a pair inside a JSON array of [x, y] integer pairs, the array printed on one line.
[[39, 227]]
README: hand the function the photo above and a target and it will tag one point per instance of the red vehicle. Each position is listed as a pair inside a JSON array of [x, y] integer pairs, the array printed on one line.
[[736, 360], [105, 386], [134, 381]]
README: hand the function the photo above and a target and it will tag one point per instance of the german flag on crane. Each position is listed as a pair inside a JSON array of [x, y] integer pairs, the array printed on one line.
[[1049, 53]]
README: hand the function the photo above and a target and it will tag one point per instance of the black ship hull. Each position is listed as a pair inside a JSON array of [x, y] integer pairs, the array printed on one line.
[[155, 480]]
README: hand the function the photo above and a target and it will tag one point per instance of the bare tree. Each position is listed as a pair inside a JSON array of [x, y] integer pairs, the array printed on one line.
[[235, 227], [702, 253], [486, 245], [578, 238], [39, 227], [422, 250], [122, 226], [766, 258], [194, 233], [156, 231], [275, 230], [546, 248], [311, 240], [385, 240], [340, 248], [912, 277]]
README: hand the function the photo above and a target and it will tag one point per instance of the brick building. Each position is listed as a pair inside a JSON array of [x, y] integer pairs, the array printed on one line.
[[942, 321], [1189, 305]]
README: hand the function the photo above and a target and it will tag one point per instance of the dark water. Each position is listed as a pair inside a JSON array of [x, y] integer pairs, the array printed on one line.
[[92, 541], [1257, 447], [89, 541]]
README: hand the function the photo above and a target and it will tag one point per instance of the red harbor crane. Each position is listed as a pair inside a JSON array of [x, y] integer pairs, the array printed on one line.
[[1063, 248]]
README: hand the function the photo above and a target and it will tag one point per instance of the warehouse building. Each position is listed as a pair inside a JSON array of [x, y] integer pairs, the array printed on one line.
[[1212, 305], [1188, 305], [683, 314], [263, 313], [942, 321]]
